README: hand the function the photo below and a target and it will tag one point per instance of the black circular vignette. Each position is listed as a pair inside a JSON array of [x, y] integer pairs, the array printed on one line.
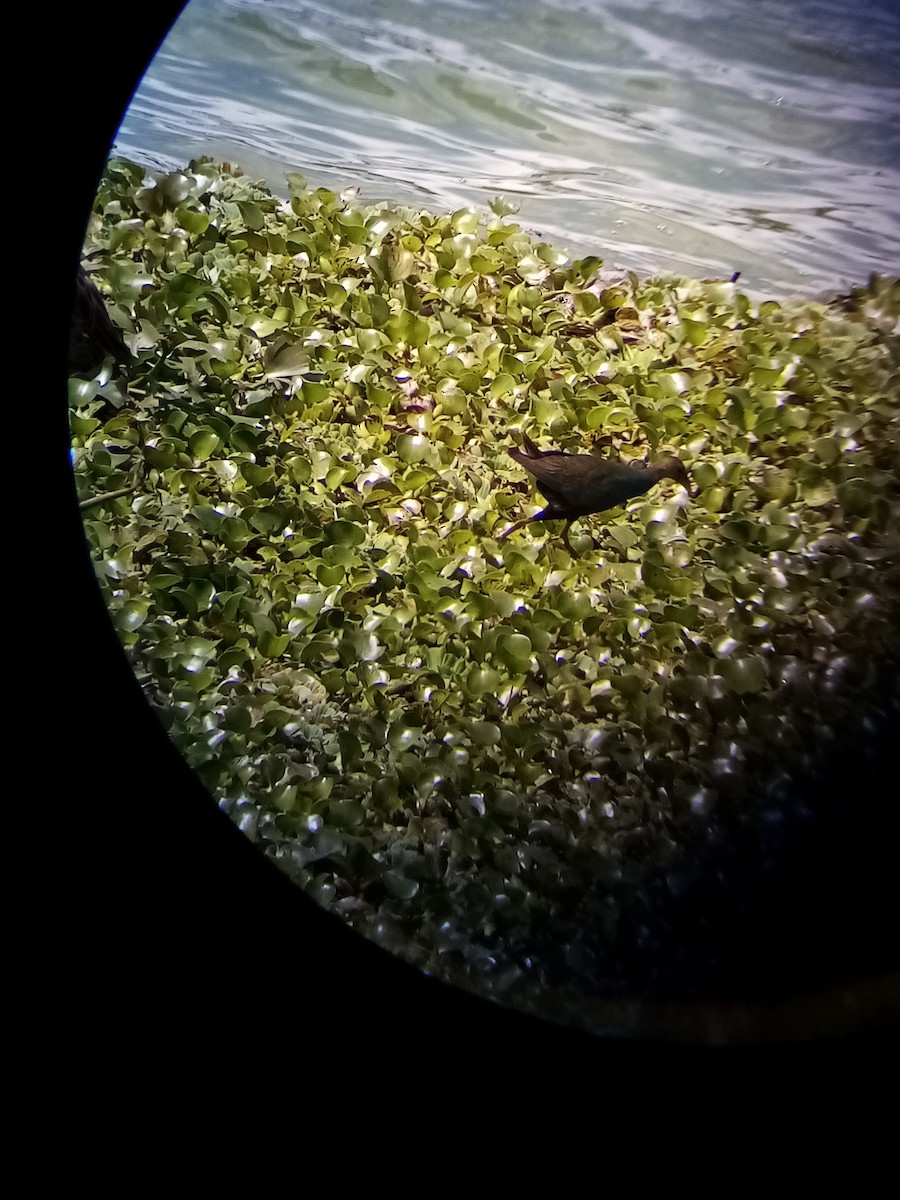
[[175, 926]]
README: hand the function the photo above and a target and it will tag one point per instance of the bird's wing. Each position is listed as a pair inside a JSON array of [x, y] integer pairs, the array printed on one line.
[[564, 469]]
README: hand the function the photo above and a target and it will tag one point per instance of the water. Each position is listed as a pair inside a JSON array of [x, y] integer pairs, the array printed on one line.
[[696, 136]]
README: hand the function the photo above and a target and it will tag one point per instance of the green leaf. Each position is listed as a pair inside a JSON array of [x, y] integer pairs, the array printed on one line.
[[515, 649], [744, 675], [257, 475], [482, 680], [346, 814], [203, 444], [252, 214], [400, 886], [286, 360], [132, 615], [412, 448], [273, 645], [343, 533], [484, 733]]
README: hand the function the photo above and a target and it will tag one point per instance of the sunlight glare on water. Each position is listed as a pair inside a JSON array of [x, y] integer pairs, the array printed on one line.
[[696, 136]]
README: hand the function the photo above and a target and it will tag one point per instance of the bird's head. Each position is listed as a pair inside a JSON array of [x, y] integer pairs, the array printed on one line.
[[670, 467]]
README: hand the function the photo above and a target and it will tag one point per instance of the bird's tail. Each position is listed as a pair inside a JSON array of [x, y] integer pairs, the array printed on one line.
[[530, 450], [93, 334]]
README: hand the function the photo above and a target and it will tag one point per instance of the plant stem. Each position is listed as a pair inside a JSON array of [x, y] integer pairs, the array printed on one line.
[[103, 497]]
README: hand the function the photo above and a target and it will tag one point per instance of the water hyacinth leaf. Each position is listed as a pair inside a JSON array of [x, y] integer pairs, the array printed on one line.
[[400, 886], [238, 718], [412, 448], [343, 533], [273, 645], [162, 580], [819, 494], [502, 385], [235, 532], [827, 449], [132, 615], [203, 444], [515, 649], [366, 646], [704, 475], [505, 803], [264, 327], [309, 602], [715, 499], [482, 680], [195, 651], [379, 310], [347, 814], [328, 576], [252, 215], [400, 264], [485, 733], [744, 675], [256, 474], [286, 360], [854, 497]]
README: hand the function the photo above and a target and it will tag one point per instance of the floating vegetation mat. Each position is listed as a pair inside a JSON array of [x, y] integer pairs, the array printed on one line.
[[483, 754]]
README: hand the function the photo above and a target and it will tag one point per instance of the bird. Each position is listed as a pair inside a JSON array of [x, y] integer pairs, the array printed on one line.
[[577, 485], [93, 335]]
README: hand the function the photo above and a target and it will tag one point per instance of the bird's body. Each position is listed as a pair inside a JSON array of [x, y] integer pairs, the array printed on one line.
[[93, 335], [577, 485]]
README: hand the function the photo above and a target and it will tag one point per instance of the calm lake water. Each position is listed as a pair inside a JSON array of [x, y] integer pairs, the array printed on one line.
[[696, 136]]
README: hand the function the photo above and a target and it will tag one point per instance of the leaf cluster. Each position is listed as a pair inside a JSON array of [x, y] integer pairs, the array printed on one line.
[[465, 746]]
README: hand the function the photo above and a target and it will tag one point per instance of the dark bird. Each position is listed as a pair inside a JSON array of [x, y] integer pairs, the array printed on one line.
[[93, 335], [576, 485]]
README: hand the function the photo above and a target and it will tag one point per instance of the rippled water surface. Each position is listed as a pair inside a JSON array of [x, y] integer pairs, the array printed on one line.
[[703, 136]]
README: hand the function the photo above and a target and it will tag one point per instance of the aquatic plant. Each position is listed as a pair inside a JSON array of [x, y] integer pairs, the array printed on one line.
[[475, 750]]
